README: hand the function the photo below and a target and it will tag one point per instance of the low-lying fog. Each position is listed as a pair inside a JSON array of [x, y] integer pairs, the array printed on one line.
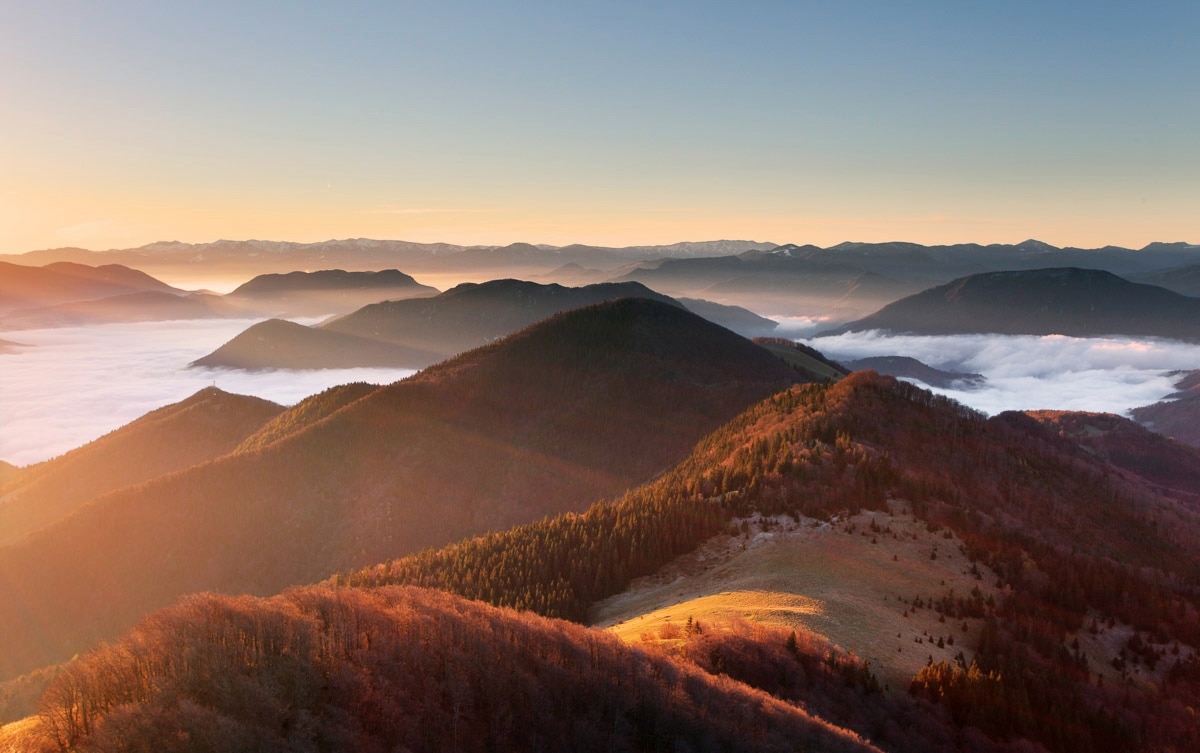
[[79, 383], [1026, 372]]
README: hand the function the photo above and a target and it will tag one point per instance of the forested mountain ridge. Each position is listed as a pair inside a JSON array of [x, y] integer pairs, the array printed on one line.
[[1075, 541], [579, 407], [324, 669]]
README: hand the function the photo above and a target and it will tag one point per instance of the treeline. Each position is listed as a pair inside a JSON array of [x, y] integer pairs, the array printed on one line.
[[1065, 534], [322, 669]]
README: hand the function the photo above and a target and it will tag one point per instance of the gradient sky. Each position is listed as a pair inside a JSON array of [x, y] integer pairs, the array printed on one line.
[[617, 122]]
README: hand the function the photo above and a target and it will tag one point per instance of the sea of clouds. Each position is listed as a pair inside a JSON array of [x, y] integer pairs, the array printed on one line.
[[75, 384], [1027, 372]]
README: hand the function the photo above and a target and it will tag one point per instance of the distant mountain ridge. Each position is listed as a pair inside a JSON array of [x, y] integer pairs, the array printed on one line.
[[416, 332], [23, 286], [1063, 301]]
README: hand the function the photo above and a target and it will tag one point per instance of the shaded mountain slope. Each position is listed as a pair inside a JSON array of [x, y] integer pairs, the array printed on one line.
[[61, 282], [1127, 445], [131, 307], [579, 407], [207, 425], [320, 669], [783, 278], [742, 321], [305, 413], [326, 291], [472, 314], [280, 344], [1183, 280], [1077, 545], [904, 366], [1178, 415], [413, 333], [1064, 301]]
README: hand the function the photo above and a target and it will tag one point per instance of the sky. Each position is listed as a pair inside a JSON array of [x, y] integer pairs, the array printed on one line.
[[618, 123]]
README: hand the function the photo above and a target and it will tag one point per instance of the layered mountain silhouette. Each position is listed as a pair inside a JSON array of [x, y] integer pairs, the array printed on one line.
[[1062, 301], [1178, 415], [23, 287], [325, 292], [911, 368], [1067, 511], [414, 333], [576, 408], [1183, 280], [130, 307]]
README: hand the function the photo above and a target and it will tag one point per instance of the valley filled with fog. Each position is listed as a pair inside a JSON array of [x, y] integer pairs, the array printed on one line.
[[72, 385]]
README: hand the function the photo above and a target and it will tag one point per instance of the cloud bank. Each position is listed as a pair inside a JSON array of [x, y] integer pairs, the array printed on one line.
[[1028, 372], [79, 383]]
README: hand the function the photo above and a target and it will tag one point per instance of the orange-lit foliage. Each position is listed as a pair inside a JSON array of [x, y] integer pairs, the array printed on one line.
[[1066, 532], [575, 409], [399, 669]]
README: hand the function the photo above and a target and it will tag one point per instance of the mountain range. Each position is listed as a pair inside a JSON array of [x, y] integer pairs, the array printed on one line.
[[772, 553], [574, 409], [416, 332], [1058, 301]]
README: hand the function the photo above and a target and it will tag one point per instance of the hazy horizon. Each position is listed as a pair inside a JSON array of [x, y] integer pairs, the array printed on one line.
[[607, 124]]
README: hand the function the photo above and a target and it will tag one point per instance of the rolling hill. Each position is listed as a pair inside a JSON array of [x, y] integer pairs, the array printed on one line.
[[1178, 415], [574, 409], [413, 333], [207, 425], [887, 502], [1063, 301], [1183, 280], [131, 307], [331, 291], [437, 673], [905, 366], [280, 344], [24, 286]]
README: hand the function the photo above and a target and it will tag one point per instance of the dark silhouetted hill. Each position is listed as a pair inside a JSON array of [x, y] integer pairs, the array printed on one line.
[[1178, 415], [911, 368], [413, 333], [207, 425], [1183, 280], [325, 292], [579, 407], [1064, 301], [280, 344], [742, 321]]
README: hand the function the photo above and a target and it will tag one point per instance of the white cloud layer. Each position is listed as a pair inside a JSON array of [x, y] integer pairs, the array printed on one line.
[[1027, 372], [79, 383]]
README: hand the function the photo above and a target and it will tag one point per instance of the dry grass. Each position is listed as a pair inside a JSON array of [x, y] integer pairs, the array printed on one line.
[[14, 737], [828, 578]]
